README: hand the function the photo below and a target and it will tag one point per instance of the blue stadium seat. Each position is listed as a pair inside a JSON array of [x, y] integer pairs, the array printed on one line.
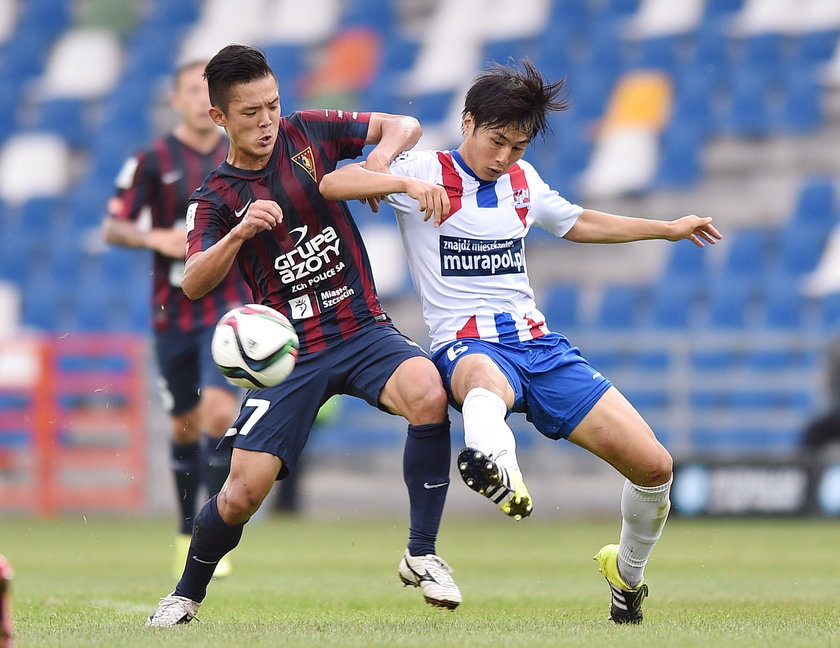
[[817, 46], [731, 300], [718, 8], [660, 53], [712, 49], [560, 306], [686, 262], [829, 311], [680, 155], [815, 204], [67, 117], [747, 111], [623, 306], [801, 107], [509, 51], [676, 303], [378, 14], [714, 360], [801, 249], [750, 252], [784, 305]]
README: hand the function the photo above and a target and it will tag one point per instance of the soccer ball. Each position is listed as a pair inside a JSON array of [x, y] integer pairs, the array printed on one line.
[[254, 346]]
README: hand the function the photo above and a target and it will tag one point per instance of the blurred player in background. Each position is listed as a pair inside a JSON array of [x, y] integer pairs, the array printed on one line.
[[196, 396], [489, 340], [7, 635], [303, 256]]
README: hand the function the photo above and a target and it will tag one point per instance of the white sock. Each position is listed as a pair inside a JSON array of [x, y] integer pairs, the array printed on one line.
[[485, 428], [644, 510]]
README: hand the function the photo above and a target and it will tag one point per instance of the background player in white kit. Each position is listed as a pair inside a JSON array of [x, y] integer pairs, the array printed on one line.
[[489, 340]]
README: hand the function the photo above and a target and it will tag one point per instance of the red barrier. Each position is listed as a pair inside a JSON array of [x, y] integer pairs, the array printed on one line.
[[73, 432]]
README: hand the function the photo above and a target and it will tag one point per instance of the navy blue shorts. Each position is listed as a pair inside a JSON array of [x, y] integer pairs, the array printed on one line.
[[553, 384], [186, 365], [278, 419]]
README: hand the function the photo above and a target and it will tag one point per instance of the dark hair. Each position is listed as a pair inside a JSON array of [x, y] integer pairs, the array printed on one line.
[[183, 67], [232, 65], [505, 95]]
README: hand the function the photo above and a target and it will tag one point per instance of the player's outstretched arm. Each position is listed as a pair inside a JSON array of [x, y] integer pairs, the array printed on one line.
[[126, 233], [356, 181], [206, 269], [599, 227]]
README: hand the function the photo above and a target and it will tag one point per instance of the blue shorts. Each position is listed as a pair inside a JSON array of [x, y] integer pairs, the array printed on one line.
[[186, 365], [278, 419], [553, 384]]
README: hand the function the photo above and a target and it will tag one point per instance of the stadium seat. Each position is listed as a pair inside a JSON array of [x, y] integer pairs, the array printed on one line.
[[784, 305], [26, 151], [680, 154], [637, 113], [816, 204], [348, 64], [84, 64], [64, 116], [801, 109], [763, 17], [732, 301], [561, 306], [750, 252], [676, 302], [664, 18], [623, 306]]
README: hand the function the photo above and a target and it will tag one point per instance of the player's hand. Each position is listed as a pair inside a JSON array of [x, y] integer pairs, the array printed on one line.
[[695, 229], [432, 199], [372, 165], [168, 242], [261, 215]]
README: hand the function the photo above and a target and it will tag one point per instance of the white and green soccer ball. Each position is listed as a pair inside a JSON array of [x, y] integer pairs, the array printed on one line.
[[254, 346]]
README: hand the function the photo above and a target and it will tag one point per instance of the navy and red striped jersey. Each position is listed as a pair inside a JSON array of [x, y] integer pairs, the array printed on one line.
[[313, 266], [162, 179]]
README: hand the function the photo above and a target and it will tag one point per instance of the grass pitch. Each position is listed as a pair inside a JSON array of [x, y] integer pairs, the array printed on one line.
[[91, 582]]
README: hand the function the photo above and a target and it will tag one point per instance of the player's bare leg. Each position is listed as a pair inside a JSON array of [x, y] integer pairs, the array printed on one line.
[[616, 432], [488, 463]]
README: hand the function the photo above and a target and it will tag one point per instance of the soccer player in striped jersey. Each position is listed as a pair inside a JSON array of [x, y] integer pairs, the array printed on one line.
[[489, 340], [303, 255], [200, 402]]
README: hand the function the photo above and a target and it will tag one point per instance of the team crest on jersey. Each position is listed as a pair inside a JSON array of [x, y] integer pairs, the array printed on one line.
[[521, 198], [306, 161]]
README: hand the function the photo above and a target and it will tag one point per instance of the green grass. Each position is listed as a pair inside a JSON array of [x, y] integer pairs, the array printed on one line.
[[91, 582]]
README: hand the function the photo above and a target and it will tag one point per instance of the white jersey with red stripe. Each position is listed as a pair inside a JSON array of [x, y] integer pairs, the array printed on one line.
[[470, 272]]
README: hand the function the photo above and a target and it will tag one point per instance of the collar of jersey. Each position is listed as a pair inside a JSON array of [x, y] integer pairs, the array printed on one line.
[[254, 173], [457, 157]]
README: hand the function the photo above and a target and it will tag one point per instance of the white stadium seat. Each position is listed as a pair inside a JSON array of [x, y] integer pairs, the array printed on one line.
[[664, 18], [84, 64], [281, 23], [8, 18], [33, 164]]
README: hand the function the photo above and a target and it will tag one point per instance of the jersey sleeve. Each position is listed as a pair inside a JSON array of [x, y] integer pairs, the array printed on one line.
[[205, 224], [136, 184], [550, 210], [412, 164], [341, 133]]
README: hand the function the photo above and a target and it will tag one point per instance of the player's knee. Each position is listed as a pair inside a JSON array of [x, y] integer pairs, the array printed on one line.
[[217, 420], [237, 503], [657, 470], [428, 404]]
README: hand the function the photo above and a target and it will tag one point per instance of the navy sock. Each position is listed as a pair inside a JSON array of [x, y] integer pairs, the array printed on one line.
[[217, 465], [426, 473], [186, 468], [212, 538]]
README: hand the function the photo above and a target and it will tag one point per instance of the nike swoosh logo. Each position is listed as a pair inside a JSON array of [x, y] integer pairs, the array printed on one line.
[[204, 562], [429, 486], [239, 213], [171, 176]]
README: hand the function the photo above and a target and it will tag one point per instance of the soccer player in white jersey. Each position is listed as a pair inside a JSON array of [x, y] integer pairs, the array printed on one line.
[[489, 340]]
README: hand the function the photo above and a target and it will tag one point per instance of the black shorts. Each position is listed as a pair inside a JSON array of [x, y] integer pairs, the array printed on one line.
[[186, 365], [278, 419]]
